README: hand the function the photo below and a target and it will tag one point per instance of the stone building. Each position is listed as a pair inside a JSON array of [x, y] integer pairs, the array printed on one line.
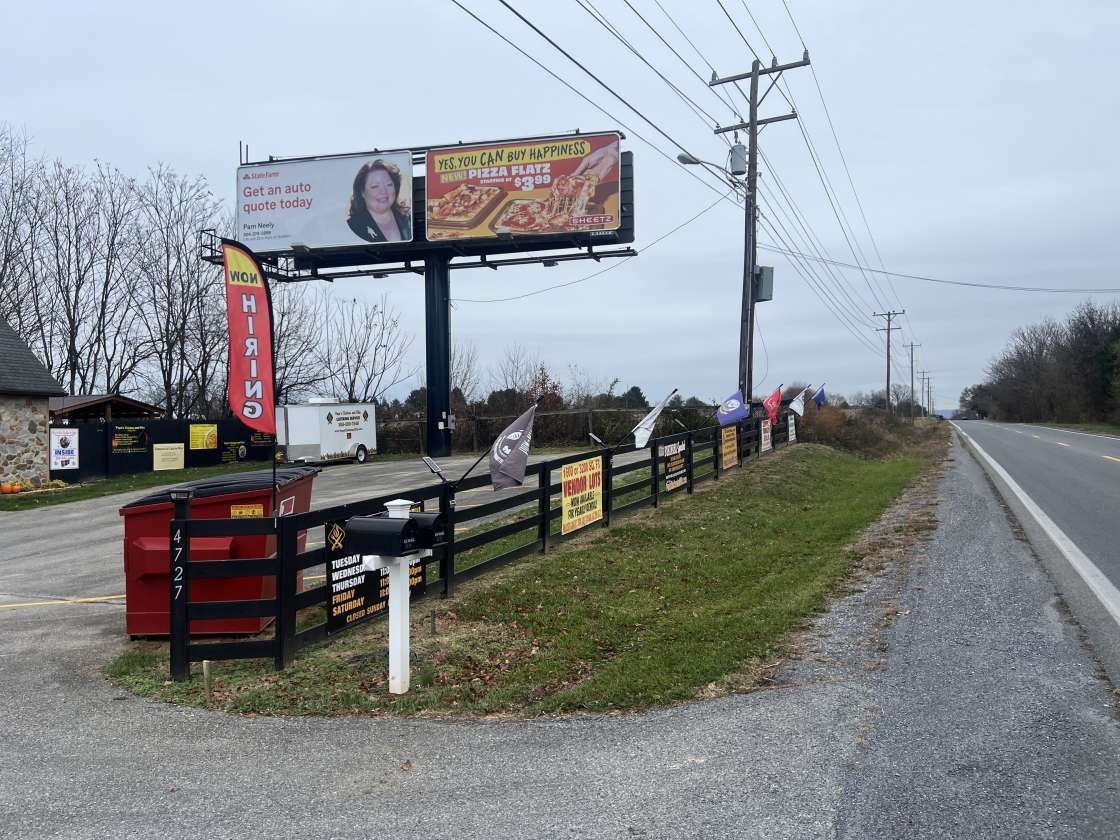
[[25, 389]]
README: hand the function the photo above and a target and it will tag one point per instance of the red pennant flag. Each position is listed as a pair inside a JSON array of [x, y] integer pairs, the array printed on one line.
[[771, 404], [249, 311]]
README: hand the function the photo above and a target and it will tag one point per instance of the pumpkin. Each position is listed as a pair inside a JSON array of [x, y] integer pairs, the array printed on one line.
[[5, 488], [15, 487]]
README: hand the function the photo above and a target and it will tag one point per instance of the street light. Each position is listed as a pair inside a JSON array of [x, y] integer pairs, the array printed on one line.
[[746, 323]]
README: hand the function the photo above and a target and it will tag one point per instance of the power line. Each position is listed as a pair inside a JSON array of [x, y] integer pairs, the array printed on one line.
[[600, 82], [603, 21], [610, 267], [716, 92], [997, 286], [586, 98]]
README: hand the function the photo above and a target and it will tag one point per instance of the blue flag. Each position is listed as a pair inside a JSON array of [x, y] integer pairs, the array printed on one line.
[[732, 409], [818, 397]]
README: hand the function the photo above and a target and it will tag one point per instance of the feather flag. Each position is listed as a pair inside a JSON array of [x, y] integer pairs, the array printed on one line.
[[645, 426], [771, 404]]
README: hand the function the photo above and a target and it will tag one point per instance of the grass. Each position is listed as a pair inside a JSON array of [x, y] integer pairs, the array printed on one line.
[[119, 484], [665, 606]]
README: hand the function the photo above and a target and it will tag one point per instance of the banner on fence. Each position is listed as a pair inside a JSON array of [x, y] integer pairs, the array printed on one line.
[[167, 456], [792, 429], [729, 447], [64, 449], [355, 595], [767, 444], [581, 499], [204, 435], [676, 470]]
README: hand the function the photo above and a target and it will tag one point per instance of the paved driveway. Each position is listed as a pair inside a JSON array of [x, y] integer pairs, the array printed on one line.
[[977, 714]]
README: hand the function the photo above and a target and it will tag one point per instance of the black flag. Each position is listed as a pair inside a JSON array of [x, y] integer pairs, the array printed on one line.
[[510, 453]]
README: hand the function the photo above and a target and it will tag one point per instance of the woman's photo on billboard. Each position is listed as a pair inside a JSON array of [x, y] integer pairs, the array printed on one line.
[[377, 213]]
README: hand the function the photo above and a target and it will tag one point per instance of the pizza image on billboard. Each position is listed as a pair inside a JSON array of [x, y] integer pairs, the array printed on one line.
[[524, 188]]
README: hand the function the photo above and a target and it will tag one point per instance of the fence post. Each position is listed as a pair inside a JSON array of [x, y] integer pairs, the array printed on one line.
[[688, 465], [447, 559], [654, 478], [608, 486], [544, 505], [716, 450], [286, 548], [179, 542]]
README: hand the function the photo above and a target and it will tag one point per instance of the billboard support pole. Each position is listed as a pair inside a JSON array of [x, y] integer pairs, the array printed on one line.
[[437, 304]]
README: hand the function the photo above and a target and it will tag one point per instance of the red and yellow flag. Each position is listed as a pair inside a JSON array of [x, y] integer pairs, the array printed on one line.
[[249, 311]]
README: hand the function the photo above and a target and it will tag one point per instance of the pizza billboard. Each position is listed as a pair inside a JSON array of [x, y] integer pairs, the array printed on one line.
[[334, 202], [552, 185]]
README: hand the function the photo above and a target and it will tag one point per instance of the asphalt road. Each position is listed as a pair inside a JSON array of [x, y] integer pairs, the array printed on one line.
[[1073, 476], [977, 713]]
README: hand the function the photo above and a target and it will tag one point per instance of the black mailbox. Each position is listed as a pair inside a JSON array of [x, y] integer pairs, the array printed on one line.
[[432, 529], [379, 534]]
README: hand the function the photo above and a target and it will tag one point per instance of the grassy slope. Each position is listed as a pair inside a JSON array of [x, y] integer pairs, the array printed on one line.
[[652, 611]]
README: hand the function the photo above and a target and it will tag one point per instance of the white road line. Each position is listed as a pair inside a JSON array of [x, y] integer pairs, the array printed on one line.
[[1086, 434], [1059, 443], [1099, 585]]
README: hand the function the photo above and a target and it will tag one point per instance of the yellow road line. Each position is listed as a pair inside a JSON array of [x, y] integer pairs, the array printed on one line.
[[57, 601], [1109, 457]]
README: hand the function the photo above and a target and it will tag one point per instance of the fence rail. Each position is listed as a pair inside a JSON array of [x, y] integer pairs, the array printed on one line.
[[673, 464]]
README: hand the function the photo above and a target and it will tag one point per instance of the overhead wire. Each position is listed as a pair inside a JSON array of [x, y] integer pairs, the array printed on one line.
[[586, 98], [715, 91], [589, 7], [998, 286], [607, 88], [601, 271]]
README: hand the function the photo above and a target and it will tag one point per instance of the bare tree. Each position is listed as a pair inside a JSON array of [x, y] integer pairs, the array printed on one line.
[[175, 289], [465, 375], [20, 178], [516, 369], [364, 352], [298, 329]]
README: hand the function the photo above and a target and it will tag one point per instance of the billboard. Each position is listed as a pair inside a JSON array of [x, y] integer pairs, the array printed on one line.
[[553, 185], [325, 202]]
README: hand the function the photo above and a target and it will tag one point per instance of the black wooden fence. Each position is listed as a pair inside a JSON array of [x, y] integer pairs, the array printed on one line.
[[536, 508]]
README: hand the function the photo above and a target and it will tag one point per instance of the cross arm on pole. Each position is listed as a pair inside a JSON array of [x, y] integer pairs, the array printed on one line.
[[745, 125], [762, 71]]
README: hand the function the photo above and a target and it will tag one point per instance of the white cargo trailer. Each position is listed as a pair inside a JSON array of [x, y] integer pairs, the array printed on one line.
[[327, 431]]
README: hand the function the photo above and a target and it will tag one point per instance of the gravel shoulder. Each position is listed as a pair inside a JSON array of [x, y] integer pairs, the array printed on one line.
[[945, 695]]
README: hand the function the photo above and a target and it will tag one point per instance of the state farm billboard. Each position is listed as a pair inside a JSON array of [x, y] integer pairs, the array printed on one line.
[[523, 188], [326, 202]]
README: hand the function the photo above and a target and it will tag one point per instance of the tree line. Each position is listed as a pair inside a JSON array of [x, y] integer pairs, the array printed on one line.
[[100, 275], [1067, 371]]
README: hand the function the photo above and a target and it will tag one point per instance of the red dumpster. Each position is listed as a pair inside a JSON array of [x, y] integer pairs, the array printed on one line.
[[147, 522]]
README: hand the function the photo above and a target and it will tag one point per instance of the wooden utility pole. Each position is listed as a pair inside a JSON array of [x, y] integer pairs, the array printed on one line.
[[750, 243], [912, 345], [890, 316]]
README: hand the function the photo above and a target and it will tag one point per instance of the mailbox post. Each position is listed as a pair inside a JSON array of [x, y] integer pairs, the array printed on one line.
[[394, 542]]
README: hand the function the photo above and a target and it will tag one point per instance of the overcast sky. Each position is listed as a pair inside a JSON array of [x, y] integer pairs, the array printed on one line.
[[981, 138]]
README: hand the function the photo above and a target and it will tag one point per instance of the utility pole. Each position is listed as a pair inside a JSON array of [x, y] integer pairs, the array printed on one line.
[[912, 345], [890, 316], [923, 374], [750, 244]]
